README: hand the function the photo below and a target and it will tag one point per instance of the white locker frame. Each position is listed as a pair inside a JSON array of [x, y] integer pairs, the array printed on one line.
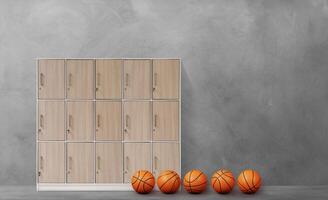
[[96, 186]]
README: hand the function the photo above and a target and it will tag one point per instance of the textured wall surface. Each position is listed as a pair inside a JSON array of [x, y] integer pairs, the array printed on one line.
[[255, 76]]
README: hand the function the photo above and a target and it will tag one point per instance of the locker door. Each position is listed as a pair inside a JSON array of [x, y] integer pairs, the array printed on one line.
[[80, 121], [108, 120], [80, 163], [136, 157], [137, 121], [51, 120], [108, 79], [166, 78], [51, 79], [165, 120], [109, 167], [137, 79], [51, 162], [80, 79], [166, 156]]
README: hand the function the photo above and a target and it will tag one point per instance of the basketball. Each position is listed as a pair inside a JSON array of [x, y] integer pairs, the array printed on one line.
[[223, 181], [168, 181], [195, 181], [143, 181], [249, 181]]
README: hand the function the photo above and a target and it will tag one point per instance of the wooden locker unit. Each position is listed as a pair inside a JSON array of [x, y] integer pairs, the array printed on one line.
[[51, 79], [51, 120], [165, 120], [80, 79], [109, 162], [137, 118], [51, 162], [100, 120], [136, 156], [108, 120], [79, 121], [80, 162], [109, 79]]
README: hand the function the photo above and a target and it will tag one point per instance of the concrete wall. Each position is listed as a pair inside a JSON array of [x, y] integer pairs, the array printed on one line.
[[255, 76]]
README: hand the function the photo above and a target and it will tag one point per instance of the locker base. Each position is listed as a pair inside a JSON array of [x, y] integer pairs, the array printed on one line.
[[82, 187]]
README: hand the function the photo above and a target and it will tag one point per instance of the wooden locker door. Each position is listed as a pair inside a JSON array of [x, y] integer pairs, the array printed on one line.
[[108, 79], [80, 119], [166, 156], [109, 159], [80, 163], [137, 79], [51, 79], [166, 79], [165, 120], [51, 162], [108, 120], [137, 119], [80, 79], [51, 120], [136, 157]]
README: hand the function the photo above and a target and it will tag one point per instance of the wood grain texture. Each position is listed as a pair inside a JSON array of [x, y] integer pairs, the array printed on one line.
[[79, 119], [80, 79], [51, 79], [137, 120], [108, 120], [166, 79], [109, 167], [108, 79], [136, 157], [80, 163], [165, 120], [51, 120], [166, 156], [137, 79], [51, 162]]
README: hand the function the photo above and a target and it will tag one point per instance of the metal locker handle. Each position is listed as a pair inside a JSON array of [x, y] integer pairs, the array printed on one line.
[[98, 81], [70, 77], [98, 121], [41, 121], [70, 162], [41, 79], [126, 79], [98, 162], [126, 164], [41, 162], [156, 162]]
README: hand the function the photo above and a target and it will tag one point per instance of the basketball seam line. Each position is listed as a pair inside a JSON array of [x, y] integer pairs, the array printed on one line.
[[167, 180], [221, 176], [197, 177], [144, 181], [189, 180], [249, 188], [173, 185]]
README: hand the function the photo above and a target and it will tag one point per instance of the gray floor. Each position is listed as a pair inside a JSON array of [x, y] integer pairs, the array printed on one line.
[[267, 193]]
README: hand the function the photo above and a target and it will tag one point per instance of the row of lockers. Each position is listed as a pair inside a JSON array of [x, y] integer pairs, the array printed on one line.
[[115, 162], [108, 79], [108, 120]]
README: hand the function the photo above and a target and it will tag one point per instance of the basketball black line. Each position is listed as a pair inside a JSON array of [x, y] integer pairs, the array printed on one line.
[[223, 174], [199, 184], [144, 180], [246, 182], [135, 177], [166, 174], [214, 181], [167, 181], [230, 187], [220, 175], [173, 185], [197, 177], [139, 180], [242, 185], [189, 180], [253, 178]]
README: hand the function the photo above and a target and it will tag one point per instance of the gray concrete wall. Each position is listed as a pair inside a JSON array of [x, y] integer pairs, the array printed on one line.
[[255, 76]]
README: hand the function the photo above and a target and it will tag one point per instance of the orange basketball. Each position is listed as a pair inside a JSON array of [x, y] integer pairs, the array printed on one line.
[[168, 181], [223, 181], [249, 181], [195, 181], [143, 181]]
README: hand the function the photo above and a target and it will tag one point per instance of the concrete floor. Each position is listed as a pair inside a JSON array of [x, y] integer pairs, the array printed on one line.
[[266, 193]]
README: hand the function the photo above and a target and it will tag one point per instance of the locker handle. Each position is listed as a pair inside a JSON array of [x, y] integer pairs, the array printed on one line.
[[70, 77], [155, 120], [98, 121], [155, 162], [127, 124], [155, 79], [70, 162], [126, 79], [41, 79], [41, 121], [126, 164], [41, 162], [98, 81], [98, 162], [70, 121]]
